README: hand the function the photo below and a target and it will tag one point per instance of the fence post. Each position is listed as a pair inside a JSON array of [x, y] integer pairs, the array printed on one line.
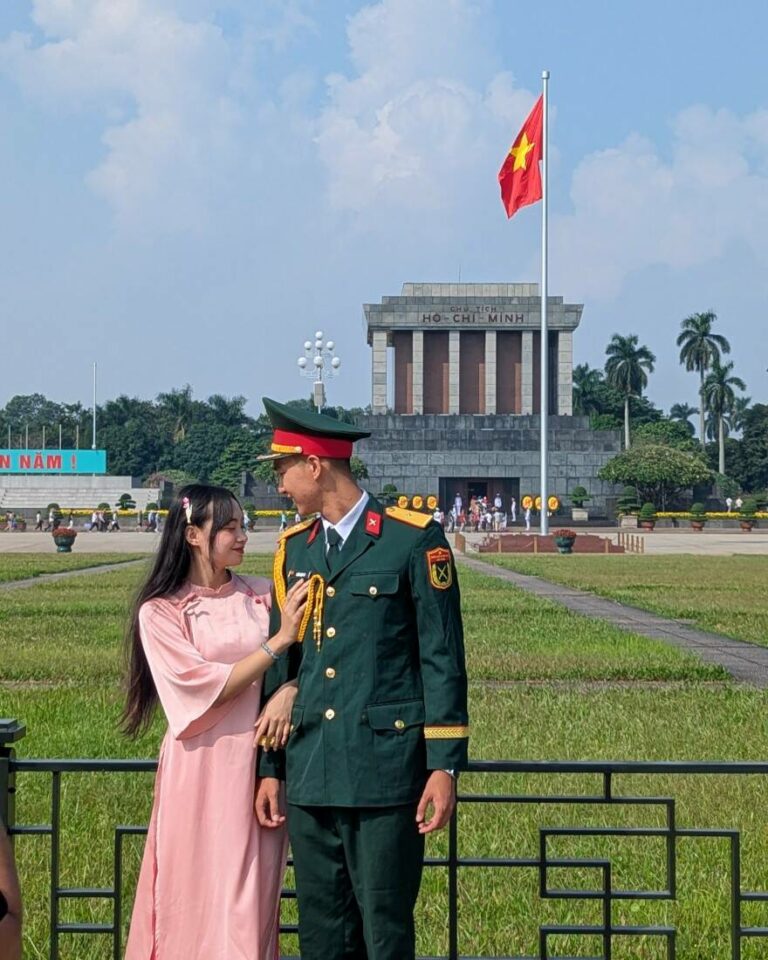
[[10, 732]]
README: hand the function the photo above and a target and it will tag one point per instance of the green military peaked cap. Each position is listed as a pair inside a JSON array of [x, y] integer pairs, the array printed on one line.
[[304, 432]]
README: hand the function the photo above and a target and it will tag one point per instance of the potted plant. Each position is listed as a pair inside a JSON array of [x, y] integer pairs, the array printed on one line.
[[63, 537], [579, 497], [628, 507], [747, 513], [564, 540], [698, 517], [647, 516]]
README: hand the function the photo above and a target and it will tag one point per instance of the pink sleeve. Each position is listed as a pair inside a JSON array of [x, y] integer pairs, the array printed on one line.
[[186, 683]]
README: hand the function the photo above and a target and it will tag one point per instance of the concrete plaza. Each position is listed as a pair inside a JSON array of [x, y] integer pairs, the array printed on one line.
[[658, 543]]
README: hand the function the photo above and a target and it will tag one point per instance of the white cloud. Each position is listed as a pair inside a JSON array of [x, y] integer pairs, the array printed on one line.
[[633, 209], [162, 84], [410, 121]]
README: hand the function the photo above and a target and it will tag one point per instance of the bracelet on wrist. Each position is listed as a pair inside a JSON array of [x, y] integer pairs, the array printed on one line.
[[268, 650]]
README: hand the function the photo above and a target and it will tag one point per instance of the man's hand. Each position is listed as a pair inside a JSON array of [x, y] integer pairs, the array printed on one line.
[[267, 803], [440, 794]]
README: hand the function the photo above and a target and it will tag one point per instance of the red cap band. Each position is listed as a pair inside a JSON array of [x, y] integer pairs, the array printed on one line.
[[329, 447]]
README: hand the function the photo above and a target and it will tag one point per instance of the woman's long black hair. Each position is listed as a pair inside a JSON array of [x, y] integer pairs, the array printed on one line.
[[169, 571]]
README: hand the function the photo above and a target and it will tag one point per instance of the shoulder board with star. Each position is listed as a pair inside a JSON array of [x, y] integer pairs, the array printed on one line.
[[411, 517]]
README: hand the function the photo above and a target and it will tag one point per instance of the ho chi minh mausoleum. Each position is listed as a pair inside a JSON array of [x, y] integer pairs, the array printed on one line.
[[456, 394]]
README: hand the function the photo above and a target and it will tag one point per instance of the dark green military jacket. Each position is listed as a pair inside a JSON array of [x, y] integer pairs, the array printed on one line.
[[382, 694]]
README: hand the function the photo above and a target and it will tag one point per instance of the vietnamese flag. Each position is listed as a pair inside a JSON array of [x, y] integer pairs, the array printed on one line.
[[519, 176]]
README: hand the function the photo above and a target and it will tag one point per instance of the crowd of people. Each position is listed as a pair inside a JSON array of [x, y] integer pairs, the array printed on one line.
[[481, 514]]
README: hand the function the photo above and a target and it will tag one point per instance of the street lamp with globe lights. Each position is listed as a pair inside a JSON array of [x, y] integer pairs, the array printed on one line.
[[319, 363]]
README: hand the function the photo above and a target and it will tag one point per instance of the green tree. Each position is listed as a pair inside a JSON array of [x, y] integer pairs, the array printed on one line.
[[682, 412], [177, 406], [658, 471], [738, 416], [718, 391], [238, 456], [627, 369], [200, 452], [672, 433], [586, 390], [699, 350], [753, 472], [228, 411]]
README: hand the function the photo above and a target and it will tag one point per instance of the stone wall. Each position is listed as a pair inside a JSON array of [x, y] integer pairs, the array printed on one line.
[[415, 452]]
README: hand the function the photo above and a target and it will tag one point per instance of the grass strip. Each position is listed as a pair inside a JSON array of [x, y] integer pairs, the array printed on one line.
[[28, 565], [724, 595]]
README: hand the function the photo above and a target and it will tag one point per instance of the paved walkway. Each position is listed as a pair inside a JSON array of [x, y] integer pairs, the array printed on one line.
[[746, 662], [126, 541], [668, 541], [66, 574], [665, 541]]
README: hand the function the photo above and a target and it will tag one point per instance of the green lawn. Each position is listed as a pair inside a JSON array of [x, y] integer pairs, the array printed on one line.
[[723, 594], [27, 565], [591, 693]]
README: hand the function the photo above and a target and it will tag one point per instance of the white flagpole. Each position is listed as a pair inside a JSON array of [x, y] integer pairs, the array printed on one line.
[[93, 435], [544, 347]]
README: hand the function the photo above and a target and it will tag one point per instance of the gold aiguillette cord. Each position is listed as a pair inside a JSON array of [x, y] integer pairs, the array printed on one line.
[[314, 609]]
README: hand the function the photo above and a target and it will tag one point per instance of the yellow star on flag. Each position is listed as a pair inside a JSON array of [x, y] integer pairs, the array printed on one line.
[[520, 152]]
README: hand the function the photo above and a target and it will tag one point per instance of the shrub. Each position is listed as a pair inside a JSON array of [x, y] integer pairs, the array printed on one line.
[[698, 512], [749, 507], [103, 506], [151, 505], [648, 512], [579, 496], [564, 532], [628, 502], [53, 506]]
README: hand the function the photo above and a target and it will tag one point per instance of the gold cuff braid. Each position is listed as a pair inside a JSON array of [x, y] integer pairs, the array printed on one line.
[[446, 733]]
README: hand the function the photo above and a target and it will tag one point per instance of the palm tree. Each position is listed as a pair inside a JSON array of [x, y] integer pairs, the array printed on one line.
[[586, 382], [739, 411], [178, 406], [718, 392], [682, 412], [228, 411], [700, 350], [627, 369]]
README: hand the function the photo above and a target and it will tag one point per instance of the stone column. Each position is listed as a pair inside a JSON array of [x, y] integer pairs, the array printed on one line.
[[454, 353], [379, 375], [565, 373], [418, 371], [490, 371], [526, 376]]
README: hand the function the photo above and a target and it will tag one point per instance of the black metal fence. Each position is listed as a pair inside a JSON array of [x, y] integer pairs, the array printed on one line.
[[543, 864]]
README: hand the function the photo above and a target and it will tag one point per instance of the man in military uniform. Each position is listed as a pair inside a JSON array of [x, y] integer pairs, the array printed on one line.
[[379, 727]]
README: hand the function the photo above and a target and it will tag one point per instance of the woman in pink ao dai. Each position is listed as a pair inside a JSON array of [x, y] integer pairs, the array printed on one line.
[[210, 881]]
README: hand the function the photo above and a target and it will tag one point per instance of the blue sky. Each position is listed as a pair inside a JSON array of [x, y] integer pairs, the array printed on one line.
[[191, 187]]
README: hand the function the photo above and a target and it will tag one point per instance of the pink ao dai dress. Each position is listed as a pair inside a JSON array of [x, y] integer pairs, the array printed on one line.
[[210, 881]]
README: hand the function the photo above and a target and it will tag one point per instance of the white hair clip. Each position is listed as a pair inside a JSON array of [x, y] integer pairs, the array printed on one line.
[[187, 508]]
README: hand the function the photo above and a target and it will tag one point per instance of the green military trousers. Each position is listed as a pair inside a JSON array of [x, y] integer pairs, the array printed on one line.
[[358, 871]]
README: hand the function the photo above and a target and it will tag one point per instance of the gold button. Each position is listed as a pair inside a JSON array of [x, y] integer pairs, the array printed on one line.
[[330, 592], [330, 673], [330, 714], [292, 728], [373, 591], [399, 724], [330, 632]]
